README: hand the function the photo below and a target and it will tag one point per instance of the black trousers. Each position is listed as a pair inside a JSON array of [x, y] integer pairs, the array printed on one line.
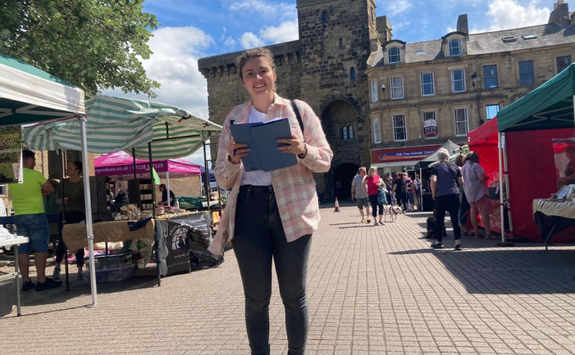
[[447, 203], [71, 217]]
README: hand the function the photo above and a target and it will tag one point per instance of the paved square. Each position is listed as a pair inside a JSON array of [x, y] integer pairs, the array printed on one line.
[[372, 290]]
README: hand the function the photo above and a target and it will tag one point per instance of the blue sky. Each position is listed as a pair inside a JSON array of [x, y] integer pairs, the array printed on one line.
[[192, 29]]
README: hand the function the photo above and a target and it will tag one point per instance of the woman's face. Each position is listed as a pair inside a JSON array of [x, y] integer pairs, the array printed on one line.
[[258, 77]]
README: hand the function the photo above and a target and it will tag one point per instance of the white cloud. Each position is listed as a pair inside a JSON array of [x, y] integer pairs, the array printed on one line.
[[230, 43], [276, 11], [174, 65], [399, 7], [504, 14], [250, 40], [285, 32]]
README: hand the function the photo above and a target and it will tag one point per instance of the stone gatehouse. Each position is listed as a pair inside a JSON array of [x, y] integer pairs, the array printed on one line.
[[326, 68]]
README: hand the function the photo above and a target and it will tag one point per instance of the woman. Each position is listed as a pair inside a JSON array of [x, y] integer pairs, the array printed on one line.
[[445, 179], [371, 185], [477, 192], [271, 214], [463, 203], [71, 202], [399, 190]]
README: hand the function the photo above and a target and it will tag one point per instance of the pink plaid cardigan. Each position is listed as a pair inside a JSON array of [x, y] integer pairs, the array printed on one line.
[[294, 186]]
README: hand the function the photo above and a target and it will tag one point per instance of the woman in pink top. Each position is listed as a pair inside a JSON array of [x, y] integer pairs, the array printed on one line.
[[371, 185], [271, 215]]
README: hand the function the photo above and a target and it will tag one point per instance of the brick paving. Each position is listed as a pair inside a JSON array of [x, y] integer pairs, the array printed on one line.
[[372, 290]]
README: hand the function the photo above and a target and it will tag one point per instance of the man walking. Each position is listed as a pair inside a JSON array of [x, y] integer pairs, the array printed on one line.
[[31, 221], [358, 194]]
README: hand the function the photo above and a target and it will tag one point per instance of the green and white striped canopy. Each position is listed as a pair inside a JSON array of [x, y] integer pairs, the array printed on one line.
[[117, 123]]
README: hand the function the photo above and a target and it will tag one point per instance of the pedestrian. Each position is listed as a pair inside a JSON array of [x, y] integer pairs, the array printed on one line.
[[477, 192], [388, 188], [271, 215], [417, 187], [31, 221], [359, 195], [445, 179], [399, 190], [70, 198], [371, 185], [409, 192], [463, 203]]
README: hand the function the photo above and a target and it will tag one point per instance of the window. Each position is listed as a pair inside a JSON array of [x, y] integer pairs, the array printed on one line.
[[509, 39], [340, 42], [344, 133], [399, 128], [376, 130], [396, 85], [324, 16], [455, 47], [394, 55], [458, 80], [461, 124], [490, 77], [526, 73], [374, 91], [429, 125], [2, 190], [427, 86], [529, 36], [352, 73], [350, 132], [563, 62], [491, 111]]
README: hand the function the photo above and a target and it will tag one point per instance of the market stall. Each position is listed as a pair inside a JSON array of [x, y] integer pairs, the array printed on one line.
[[531, 131], [180, 176], [148, 129], [29, 95]]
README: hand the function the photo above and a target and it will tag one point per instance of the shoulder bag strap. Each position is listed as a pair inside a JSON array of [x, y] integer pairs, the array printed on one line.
[[295, 109]]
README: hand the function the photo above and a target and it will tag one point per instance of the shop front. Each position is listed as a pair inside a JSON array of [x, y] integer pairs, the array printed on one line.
[[396, 159]]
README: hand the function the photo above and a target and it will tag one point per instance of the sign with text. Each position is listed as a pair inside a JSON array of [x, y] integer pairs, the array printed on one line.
[[390, 155]]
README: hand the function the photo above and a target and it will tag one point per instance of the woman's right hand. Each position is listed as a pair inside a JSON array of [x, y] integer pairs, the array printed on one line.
[[236, 151]]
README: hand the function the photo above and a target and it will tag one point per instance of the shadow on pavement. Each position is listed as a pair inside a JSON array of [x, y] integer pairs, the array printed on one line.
[[516, 270]]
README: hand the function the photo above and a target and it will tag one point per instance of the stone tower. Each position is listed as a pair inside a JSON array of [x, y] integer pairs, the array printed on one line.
[[326, 68], [335, 44]]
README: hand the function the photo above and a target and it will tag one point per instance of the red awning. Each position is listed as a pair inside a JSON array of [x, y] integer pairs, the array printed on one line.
[[485, 132]]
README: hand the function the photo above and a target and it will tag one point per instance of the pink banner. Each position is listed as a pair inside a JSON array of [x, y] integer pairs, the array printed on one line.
[[121, 163]]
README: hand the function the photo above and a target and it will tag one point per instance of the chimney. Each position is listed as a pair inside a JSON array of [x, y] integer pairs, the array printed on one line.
[[384, 28], [560, 14], [462, 24]]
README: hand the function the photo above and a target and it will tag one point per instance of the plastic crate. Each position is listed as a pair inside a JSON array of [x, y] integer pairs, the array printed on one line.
[[112, 261], [110, 275]]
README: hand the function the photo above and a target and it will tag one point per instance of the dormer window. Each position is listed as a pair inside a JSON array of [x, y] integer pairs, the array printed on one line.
[[394, 55], [455, 47]]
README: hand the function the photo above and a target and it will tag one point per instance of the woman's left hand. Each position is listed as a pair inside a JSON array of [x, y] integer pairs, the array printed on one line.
[[294, 145]]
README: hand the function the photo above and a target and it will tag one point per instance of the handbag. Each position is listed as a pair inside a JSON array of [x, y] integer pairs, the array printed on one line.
[[381, 198]]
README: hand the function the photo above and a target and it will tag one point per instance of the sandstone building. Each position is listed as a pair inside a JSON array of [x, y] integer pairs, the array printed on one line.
[[454, 80]]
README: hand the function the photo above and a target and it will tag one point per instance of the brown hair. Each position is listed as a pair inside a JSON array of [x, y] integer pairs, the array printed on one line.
[[460, 159], [253, 53], [472, 157]]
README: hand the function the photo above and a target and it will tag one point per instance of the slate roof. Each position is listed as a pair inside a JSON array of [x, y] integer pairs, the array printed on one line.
[[491, 42]]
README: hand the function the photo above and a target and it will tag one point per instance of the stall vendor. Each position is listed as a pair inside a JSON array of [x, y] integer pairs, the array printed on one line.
[[164, 201]]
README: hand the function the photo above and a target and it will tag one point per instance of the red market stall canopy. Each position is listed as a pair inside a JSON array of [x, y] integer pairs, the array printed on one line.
[[122, 163]]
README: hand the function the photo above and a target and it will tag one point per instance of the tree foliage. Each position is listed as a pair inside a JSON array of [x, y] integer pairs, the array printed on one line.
[[93, 44]]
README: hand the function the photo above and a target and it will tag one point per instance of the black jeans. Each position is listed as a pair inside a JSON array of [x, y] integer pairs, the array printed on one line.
[[71, 217], [259, 236], [442, 204], [375, 206]]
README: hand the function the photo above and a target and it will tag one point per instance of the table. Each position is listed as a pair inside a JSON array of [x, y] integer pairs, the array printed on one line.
[[14, 242], [553, 216]]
